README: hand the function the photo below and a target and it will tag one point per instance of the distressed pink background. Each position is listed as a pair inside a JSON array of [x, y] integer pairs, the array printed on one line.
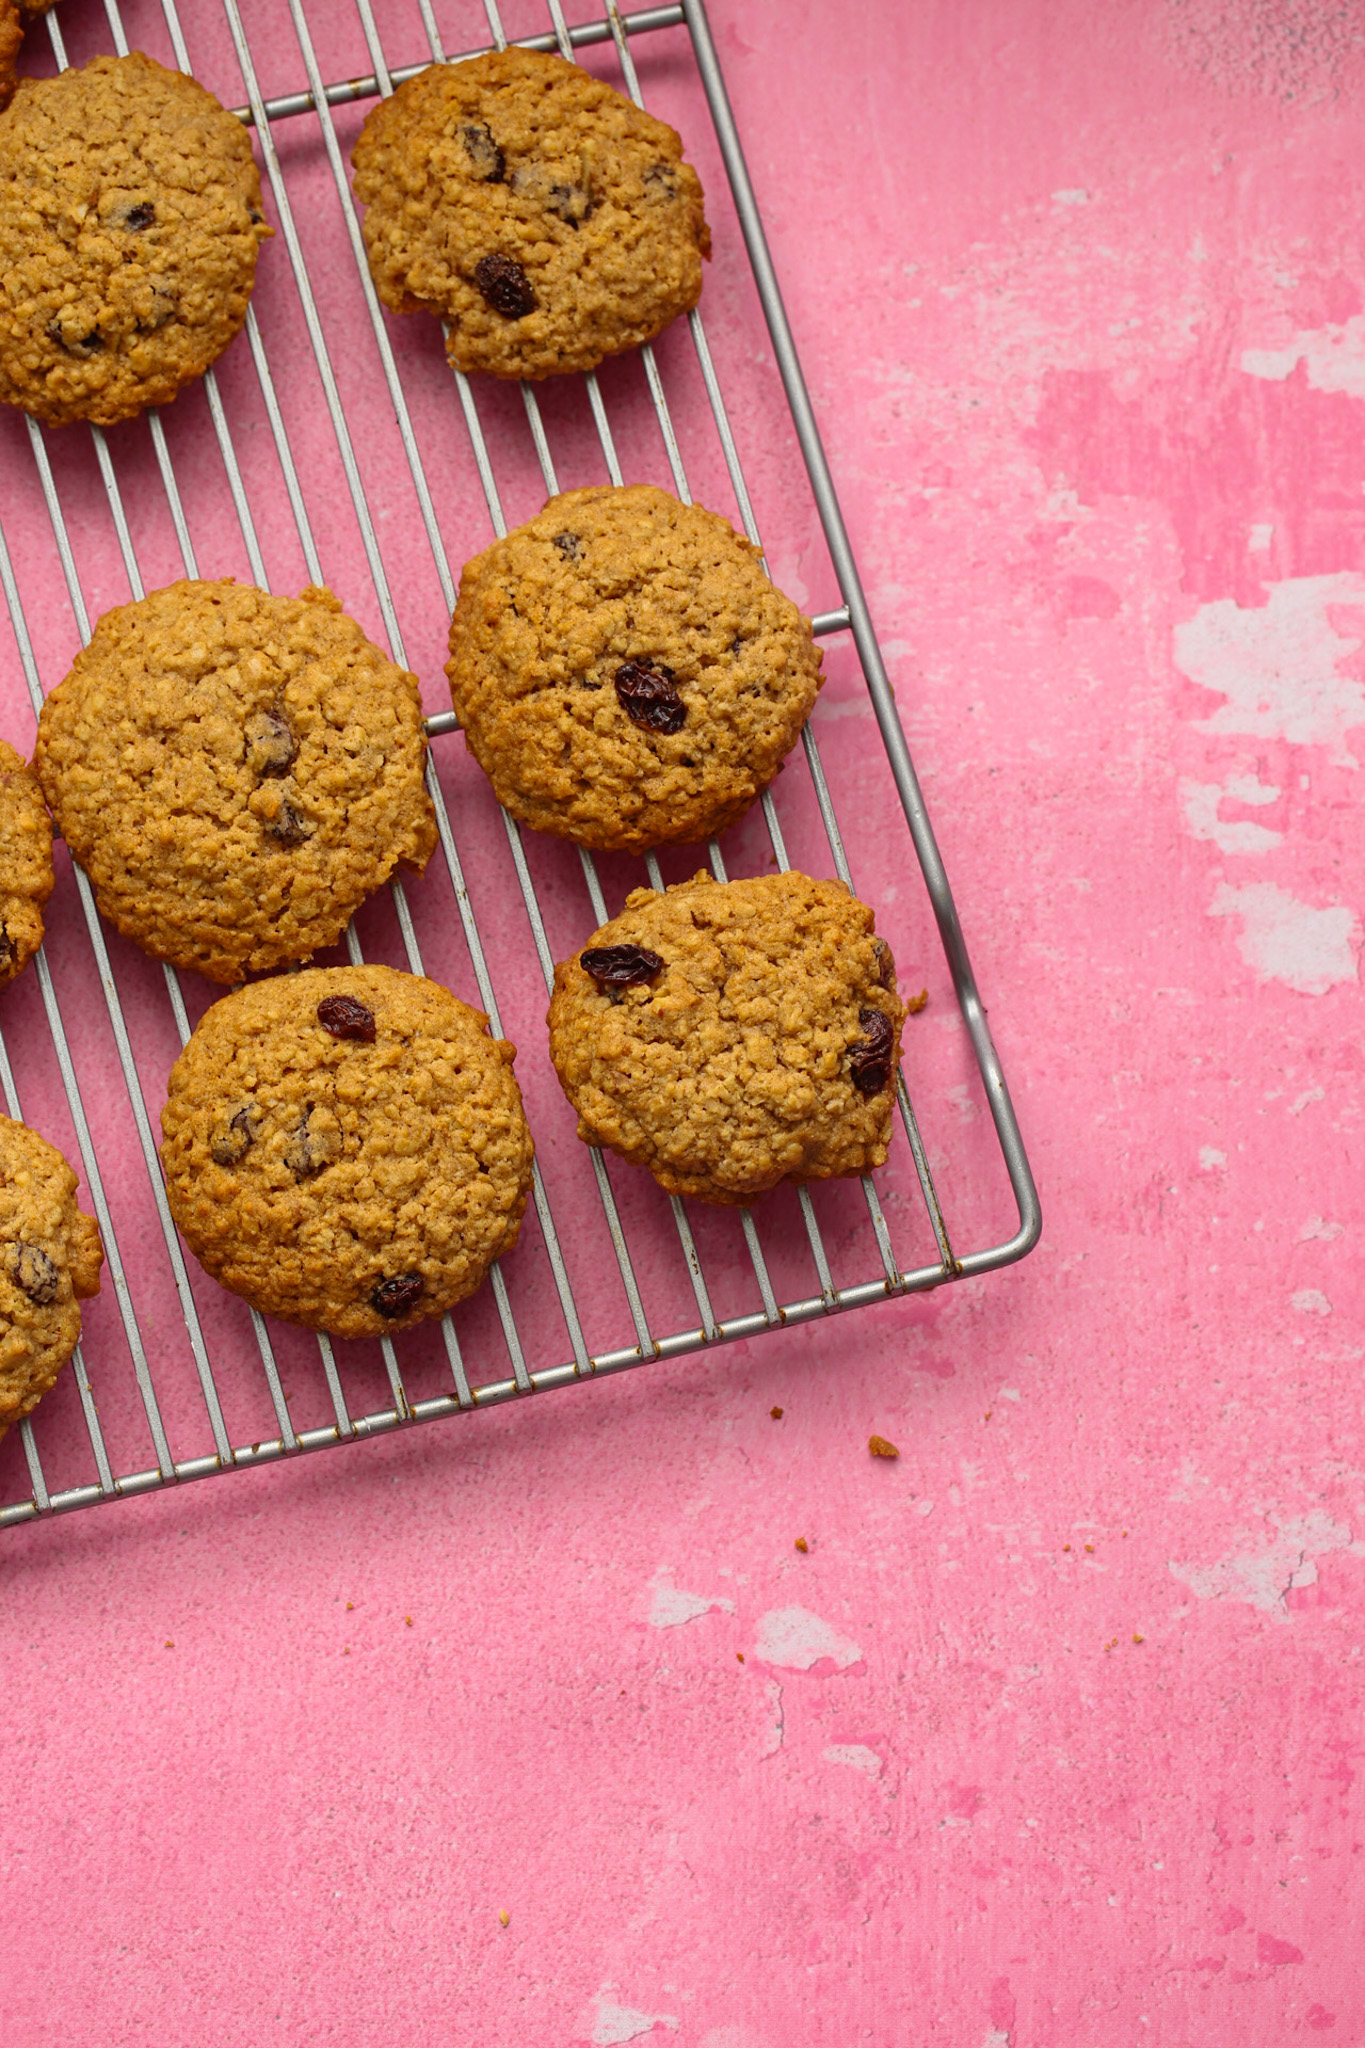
[[1052, 1738]]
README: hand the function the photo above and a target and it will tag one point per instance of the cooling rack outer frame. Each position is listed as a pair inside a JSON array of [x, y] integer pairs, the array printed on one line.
[[854, 618]]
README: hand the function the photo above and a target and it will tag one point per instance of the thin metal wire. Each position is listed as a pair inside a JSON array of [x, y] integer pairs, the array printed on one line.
[[320, 97]]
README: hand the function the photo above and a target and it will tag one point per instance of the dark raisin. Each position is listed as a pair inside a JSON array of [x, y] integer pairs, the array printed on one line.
[[232, 1141], [506, 286], [869, 1062], [35, 1273], [649, 696], [345, 1017], [620, 966], [661, 182], [307, 1150], [78, 345], [570, 545], [6, 947], [139, 217], [490, 165], [255, 218], [270, 744], [289, 826], [395, 1297], [886, 966], [569, 203]]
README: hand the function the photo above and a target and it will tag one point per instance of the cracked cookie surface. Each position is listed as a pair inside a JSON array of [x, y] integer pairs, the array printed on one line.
[[549, 221], [130, 221], [50, 1259], [236, 772], [25, 863], [346, 1148], [731, 1035], [625, 673]]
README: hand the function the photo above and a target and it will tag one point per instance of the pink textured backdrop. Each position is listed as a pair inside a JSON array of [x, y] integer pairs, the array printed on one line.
[[1053, 1736]]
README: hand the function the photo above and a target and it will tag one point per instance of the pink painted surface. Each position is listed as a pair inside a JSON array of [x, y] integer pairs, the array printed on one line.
[[1053, 1736]]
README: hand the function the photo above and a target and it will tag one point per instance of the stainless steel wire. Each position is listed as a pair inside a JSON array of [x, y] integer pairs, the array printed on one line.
[[523, 1377]]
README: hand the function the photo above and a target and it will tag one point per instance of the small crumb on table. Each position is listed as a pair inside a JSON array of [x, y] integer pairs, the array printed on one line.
[[914, 1004], [801, 1543], [880, 1448], [776, 1414]]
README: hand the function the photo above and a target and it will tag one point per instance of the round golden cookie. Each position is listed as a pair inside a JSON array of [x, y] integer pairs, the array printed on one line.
[[731, 1035], [625, 673], [546, 219], [130, 220], [346, 1148], [236, 773], [11, 39], [25, 863], [50, 1259]]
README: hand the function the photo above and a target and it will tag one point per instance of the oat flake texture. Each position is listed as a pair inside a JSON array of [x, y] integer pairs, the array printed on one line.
[[730, 1071], [130, 220], [554, 625], [318, 1176], [50, 1259], [235, 772], [25, 863], [546, 219]]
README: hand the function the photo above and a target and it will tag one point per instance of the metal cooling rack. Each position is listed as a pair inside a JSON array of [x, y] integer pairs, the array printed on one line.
[[488, 1360]]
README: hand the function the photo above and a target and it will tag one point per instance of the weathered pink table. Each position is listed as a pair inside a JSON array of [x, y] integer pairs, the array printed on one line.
[[1051, 1736]]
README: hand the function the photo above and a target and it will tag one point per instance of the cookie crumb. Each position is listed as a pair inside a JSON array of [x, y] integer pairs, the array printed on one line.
[[776, 1413], [408, 1619], [914, 1004], [350, 1606], [880, 1448], [1091, 1548], [1139, 1639], [169, 1644], [505, 1919], [802, 1544], [740, 1655]]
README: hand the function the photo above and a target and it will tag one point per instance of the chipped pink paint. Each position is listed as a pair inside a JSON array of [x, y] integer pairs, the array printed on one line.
[[1054, 1736]]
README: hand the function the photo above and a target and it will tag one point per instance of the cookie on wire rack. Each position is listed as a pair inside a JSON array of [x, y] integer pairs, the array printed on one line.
[[545, 218], [25, 863], [11, 40], [733, 1035], [130, 222], [236, 772], [625, 673], [50, 1259], [346, 1148]]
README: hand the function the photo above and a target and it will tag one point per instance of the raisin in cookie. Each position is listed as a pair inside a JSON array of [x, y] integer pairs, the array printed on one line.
[[346, 1148], [625, 673], [130, 220], [50, 1259], [731, 1035], [548, 221], [25, 863], [235, 772]]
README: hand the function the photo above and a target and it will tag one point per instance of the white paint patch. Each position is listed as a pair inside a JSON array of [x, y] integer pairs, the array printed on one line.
[[1210, 1157], [616, 2023], [796, 1638], [1311, 1301], [995, 2039], [1074, 195], [1279, 666], [670, 1606], [856, 1755], [1285, 940], [1315, 1227], [1259, 538], [1262, 1578], [1301, 1102], [1201, 801], [1333, 355]]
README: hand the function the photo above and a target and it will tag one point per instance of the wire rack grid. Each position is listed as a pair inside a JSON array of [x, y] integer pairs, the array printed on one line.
[[158, 1305]]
